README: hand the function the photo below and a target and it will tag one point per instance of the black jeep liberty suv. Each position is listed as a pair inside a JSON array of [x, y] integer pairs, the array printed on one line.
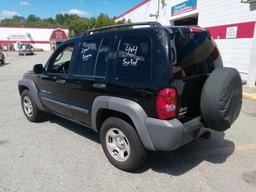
[[147, 87]]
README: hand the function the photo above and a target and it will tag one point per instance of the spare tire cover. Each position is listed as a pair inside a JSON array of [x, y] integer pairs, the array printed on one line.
[[221, 98]]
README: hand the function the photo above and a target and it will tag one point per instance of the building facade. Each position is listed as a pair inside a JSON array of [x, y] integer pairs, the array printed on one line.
[[43, 38], [232, 23]]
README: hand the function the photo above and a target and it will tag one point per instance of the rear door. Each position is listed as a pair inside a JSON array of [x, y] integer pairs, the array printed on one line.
[[194, 58], [90, 76], [131, 76]]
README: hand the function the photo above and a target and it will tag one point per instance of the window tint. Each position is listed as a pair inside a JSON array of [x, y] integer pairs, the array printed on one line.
[[94, 56], [60, 63], [103, 56], [87, 57], [134, 58], [194, 53]]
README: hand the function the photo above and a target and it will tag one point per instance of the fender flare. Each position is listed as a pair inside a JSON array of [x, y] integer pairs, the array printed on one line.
[[29, 83], [128, 107]]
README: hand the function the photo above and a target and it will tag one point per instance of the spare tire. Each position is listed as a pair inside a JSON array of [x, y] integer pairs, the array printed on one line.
[[221, 98]]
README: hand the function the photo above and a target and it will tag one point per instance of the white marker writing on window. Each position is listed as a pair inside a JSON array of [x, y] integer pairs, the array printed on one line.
[[131, 48]]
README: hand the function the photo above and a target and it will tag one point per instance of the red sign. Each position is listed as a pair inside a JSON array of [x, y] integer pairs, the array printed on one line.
[[244, 30], [58, 34]]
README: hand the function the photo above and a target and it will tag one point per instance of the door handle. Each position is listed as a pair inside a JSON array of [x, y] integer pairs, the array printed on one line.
[[46, 77], [61, 81], [99, 85]]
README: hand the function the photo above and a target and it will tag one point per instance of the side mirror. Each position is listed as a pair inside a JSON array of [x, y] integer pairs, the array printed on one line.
[[38, 68]]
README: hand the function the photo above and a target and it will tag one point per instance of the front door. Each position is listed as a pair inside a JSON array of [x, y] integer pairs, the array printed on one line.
[[53, 86]]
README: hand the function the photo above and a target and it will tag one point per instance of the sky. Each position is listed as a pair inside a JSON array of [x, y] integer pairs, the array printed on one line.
[[49, 8]]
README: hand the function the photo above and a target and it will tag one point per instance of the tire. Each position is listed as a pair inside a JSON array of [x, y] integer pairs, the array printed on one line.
[[33, 114], [221, 98], [134, 157], [2, 61]]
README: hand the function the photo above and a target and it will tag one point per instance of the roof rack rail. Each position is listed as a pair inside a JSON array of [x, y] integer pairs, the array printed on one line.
[[151, 24]]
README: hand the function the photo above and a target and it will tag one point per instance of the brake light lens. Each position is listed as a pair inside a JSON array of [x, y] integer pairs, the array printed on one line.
[[215, 53], [166, 102], [196, 29]]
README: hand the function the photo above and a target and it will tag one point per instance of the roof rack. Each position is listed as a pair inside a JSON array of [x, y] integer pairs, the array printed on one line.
[[151, 24]]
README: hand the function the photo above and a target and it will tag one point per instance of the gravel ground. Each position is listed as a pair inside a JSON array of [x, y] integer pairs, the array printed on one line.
[[57, 155]]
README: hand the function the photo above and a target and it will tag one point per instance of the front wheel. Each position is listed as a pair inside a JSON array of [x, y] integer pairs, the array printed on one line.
[[2, 61], [121, 144], [30, 108]]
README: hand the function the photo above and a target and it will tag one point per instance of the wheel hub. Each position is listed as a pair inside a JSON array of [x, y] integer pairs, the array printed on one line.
[[120, 143], [117, 144], [27, 105]]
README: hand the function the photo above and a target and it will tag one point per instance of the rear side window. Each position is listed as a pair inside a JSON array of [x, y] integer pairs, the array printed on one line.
[[93, 57], [87, 57], [134, 58]]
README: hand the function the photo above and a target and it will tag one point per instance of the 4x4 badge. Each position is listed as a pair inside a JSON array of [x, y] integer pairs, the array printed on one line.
[[183, 110]]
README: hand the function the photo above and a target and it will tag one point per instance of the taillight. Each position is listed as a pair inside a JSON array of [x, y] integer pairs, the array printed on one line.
[[215, 53], [196, 29], [166, 102]]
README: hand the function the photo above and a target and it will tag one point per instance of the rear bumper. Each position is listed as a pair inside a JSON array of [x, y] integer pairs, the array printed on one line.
[[170, 135]]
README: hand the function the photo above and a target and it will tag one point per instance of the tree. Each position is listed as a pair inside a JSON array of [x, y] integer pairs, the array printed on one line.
[[14, 21], [34, 21], [59, 18], [103, 20], [76, 25]]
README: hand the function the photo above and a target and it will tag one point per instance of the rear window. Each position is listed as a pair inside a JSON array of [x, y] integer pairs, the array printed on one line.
[[192, 52], [134, 58]]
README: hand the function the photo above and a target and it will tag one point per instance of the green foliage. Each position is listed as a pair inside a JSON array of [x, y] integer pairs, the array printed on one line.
[[103, 20], [76, 25]]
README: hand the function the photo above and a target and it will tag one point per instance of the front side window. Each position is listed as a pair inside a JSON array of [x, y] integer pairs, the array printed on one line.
[[61, 62], [134, 59]]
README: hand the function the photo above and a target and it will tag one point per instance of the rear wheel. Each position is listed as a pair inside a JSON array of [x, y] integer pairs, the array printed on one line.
[[29, 107], [121, 144]]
